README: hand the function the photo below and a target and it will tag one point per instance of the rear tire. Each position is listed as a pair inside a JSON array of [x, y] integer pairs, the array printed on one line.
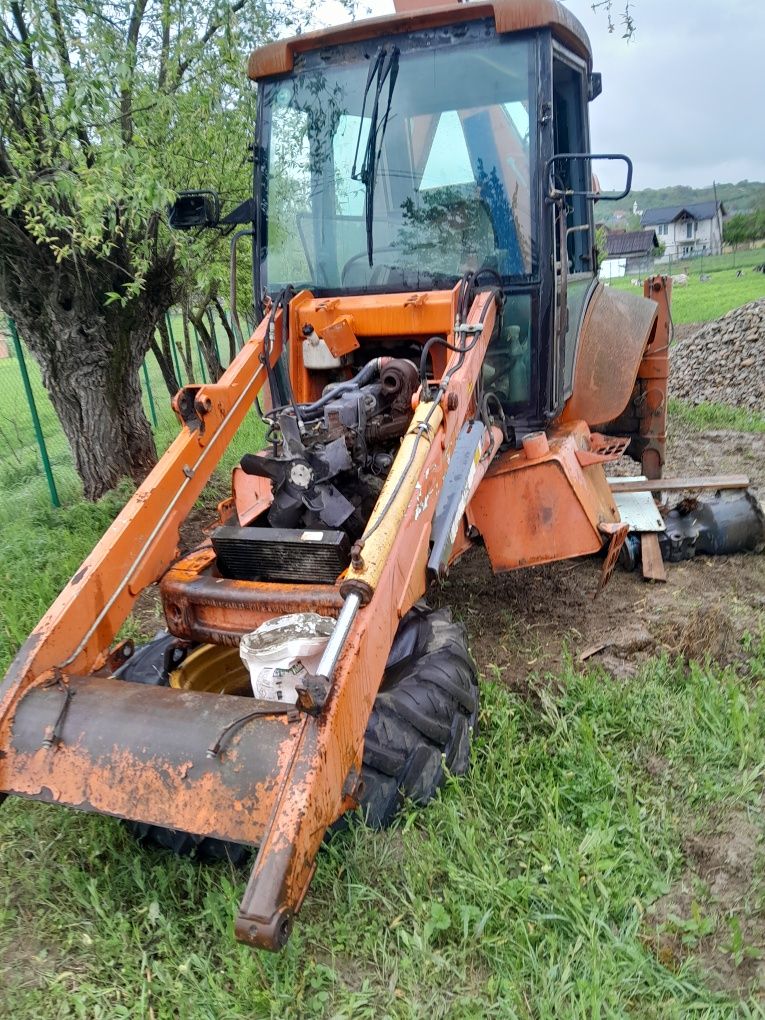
[[421, 726]]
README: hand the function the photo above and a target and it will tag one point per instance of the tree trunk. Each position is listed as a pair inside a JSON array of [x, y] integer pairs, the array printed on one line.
[[227, 328], [185, 348], [90, 355], [163, 354], [207, 347], [95, 390]]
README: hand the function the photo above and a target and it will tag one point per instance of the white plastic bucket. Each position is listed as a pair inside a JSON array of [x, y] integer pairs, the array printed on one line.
[[281, 651]]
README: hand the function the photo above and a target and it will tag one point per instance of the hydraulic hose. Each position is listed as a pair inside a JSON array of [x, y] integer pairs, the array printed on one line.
[[362, 377]]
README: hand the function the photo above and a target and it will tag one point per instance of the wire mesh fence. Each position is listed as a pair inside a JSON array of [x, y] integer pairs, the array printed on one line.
[[35, 457]]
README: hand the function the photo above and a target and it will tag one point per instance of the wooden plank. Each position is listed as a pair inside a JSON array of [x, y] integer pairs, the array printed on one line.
[[650, 551], [678, 484]]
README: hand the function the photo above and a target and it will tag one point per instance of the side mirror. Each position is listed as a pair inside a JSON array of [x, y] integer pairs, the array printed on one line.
[[194, 209], [583, 160]]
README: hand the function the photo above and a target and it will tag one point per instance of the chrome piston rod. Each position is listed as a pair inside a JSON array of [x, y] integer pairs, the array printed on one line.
[[339, 636]]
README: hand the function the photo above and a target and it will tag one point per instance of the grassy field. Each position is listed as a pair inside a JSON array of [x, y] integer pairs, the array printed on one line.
[[536, 887], [701, 417], [703, 300]]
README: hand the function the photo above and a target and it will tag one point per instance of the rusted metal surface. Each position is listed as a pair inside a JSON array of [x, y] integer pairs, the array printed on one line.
[[200, 605], [76, 632], [143, 753], [509, 16], [615, 330], [603, 449], [653, 377], [552, 507], [206, 763], [617, 534], [332, 742]]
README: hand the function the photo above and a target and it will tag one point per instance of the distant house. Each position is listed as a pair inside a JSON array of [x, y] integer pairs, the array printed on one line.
[[628, 252], [687, 230]]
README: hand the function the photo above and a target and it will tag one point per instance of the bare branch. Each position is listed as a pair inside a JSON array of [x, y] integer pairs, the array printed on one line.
[[36, 97], [165, 50], [62, 49]]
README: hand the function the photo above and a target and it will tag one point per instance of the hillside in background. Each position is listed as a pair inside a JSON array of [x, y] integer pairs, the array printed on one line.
[[741, 197]]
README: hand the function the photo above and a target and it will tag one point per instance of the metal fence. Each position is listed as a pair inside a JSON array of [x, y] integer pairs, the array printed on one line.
[[34, 452]]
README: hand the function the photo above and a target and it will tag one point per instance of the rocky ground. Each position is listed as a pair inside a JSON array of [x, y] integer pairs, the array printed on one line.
[[722, 362]]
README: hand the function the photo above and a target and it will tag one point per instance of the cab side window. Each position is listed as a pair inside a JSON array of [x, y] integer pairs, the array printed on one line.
[[570, 135]]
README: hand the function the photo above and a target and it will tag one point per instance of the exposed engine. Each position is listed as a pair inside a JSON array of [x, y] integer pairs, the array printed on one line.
[[328, 463]]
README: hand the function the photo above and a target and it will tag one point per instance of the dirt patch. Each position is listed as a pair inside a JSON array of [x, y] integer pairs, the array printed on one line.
[[528, 622], [25, 964], [147, 616], [714, 914]]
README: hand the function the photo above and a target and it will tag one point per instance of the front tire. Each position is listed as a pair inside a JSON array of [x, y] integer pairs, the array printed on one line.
[[423, 718], [421, 726]]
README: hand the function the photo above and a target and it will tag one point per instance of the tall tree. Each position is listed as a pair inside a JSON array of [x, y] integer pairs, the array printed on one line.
[[107, 108]]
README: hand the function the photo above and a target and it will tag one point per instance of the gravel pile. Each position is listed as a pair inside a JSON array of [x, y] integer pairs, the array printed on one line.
[[724, 361]]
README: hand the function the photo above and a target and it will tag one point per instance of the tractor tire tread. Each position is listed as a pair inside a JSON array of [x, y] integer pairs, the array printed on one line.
[[421, 721]]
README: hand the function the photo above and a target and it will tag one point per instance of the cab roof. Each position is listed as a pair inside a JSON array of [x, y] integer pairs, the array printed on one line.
[[508, 15]]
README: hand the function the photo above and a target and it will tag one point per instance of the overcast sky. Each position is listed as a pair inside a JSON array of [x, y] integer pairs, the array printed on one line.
[[685, 98]]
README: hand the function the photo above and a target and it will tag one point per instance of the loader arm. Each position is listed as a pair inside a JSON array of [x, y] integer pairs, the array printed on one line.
[[389, 577], [226, 766], [142, 542]]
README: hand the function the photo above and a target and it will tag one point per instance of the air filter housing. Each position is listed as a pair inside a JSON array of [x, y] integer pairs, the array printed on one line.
[[281, 554]]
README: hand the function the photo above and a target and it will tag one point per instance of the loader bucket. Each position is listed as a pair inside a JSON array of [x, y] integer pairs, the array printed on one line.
[[203, 763]]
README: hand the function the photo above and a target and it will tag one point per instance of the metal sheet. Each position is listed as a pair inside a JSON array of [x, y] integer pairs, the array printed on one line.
[[639, 511]]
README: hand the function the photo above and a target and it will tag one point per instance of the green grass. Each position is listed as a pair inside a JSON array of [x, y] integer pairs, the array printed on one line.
[[701, 301], [716, 416], [743, 259], [522, 892], [43, 547]]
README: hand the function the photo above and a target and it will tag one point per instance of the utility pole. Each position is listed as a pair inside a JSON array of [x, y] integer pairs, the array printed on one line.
[[717, 215]]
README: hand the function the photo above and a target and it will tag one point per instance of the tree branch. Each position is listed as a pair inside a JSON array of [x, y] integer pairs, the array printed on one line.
[[36, 97], [165, 46], [62, 49], [126, 91], [212, 28]]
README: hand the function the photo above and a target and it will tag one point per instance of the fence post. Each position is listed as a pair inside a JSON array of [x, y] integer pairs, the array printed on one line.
[[152, 410], [35, 417]]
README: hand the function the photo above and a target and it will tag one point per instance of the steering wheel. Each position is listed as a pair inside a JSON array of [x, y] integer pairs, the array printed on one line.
[[361, 255]]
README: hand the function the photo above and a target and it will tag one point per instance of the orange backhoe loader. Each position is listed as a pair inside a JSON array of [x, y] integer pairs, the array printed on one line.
[[440, 367]]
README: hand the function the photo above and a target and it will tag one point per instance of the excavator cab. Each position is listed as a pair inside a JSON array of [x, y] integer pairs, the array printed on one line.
[[402, 162]]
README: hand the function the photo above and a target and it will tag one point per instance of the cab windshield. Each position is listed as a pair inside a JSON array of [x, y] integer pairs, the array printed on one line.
[[416, 148]]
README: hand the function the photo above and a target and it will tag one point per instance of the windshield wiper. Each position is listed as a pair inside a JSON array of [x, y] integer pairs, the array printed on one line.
[[383, 68]]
